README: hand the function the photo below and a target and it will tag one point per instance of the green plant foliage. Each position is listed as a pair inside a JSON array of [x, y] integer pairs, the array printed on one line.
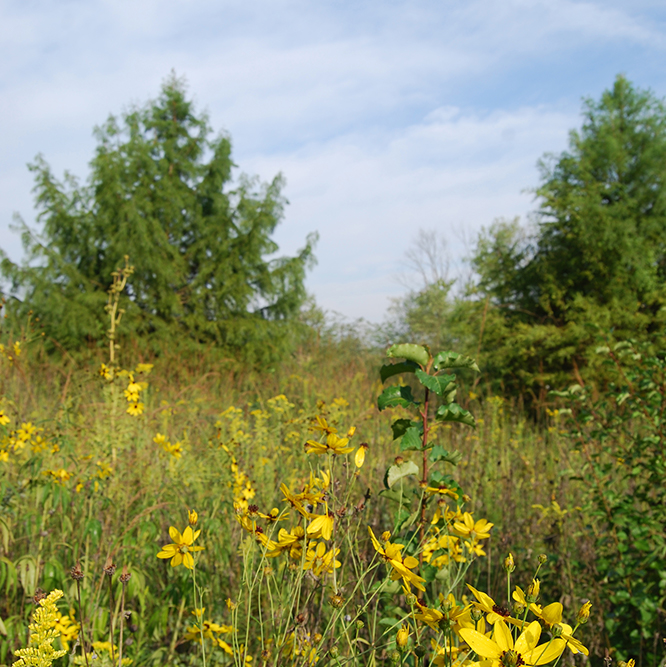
[[620, 435], [160, 190]]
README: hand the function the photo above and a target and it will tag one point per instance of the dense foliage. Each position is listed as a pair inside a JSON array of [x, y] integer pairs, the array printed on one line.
[[160, 191], [595, 258]]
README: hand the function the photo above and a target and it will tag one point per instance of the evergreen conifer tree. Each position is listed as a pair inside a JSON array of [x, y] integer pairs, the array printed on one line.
[[160, 191]]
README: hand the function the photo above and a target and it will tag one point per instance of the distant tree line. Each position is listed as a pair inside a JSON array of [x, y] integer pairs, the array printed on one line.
[[592, 266]]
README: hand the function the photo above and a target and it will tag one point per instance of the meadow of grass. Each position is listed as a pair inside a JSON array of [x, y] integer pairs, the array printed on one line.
[[103, 466]]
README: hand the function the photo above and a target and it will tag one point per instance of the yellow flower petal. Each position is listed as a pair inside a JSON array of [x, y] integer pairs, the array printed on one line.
[[480, 644]]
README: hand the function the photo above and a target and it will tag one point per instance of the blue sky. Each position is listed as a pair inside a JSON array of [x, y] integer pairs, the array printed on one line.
[[384, 117]]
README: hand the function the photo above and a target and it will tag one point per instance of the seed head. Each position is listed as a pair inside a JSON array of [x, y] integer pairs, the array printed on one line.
[[76, 572], [109, 567], [125, 576]]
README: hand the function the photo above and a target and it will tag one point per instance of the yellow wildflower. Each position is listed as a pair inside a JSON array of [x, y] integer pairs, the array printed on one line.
[[180, 551], [502, 650], [468, 528], [320, 561], [402, 566], [4, 419], [334, 444], [402, 637]]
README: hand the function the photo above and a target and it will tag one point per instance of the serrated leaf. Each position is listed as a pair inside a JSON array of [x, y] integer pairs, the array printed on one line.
[[454, 413], [411, 352], [412, 439], [438, 453], [399, 471], [453, 360], [389, 370], [395, 395]]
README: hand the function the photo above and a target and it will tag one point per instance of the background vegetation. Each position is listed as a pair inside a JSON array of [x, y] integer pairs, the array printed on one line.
[[242, 360]]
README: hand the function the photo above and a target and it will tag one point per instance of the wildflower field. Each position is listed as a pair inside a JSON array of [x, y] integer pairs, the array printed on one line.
[[345, 509]]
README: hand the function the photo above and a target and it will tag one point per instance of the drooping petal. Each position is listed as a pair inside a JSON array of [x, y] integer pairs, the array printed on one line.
[[502, 636], [529, 638], [188, 561], [480, 644], [375, 542], [552, 613], [545, 653]]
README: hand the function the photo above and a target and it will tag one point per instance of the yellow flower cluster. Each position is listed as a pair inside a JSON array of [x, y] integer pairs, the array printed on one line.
[[10, 352], [210, 630], [454, 536], [67, 628], [174, 449], [43, 632], [242, 489], [27, 436]]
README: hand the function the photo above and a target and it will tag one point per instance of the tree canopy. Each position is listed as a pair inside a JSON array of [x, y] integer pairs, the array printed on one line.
[[593, 260], [161, 191]]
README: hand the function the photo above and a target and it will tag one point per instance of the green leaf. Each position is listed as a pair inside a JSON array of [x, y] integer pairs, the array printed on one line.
[[389, 370], [453, 360], [403, 497], [411, 352], [438, 453], [400, 426], [412, 439], [440, 384], [395, 395], [454, 413], [399, 471]]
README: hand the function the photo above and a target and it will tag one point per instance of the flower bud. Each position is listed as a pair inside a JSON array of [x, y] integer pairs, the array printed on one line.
[[360, 624], [532, 594], [334, 651], [542, 559], [584, 613], [395, 657], [420, 651], [509, 563], [192, 517], [517, 610], [402, 637], [336, 601], [476, 614]]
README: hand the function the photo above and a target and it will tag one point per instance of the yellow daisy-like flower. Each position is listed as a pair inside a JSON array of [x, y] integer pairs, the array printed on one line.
[[135, 409], [402, 565], [180, 551], [321, 526], [479, 530], [334, 444], [495, 612], [502, 650], [4, 419]]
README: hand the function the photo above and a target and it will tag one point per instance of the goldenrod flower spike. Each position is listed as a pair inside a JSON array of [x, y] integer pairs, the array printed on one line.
[[180, 551]]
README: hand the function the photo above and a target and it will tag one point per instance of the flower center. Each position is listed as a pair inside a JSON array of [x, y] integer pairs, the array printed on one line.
[[511, 659], [500, 611], [183, 549]]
